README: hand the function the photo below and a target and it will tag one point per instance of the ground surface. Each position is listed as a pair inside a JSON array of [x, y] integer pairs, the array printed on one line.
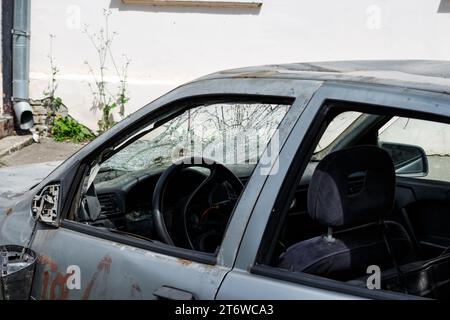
[[10, 144], [45, 151]]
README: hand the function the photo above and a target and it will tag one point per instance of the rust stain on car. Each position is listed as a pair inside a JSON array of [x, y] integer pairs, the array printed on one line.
[[8, 211], [184, 262], [256, 74]]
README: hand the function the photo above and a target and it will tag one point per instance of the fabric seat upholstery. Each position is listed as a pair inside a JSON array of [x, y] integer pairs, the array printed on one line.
[[352, 190]]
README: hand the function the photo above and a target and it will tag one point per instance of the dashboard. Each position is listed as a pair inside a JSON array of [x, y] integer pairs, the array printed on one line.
[[125, 198]]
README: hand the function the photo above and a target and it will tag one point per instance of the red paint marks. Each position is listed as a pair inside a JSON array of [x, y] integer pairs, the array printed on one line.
[[103, 266], [57, 281], [136, 291], [87, 291], [58, 288], [44, 287], [136, 287], [46, 261]]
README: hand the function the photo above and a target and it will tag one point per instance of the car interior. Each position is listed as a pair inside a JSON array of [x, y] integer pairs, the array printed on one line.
[[359, 202], [365, 204], [185, 203]]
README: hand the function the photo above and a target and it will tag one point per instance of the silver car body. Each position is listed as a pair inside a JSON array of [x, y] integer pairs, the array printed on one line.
[[134, 270]]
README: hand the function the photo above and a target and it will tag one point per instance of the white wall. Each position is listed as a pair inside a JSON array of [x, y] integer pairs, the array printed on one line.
[[1, 68], [169, 46]]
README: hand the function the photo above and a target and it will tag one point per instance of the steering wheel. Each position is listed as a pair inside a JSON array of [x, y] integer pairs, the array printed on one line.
[[219, 176]]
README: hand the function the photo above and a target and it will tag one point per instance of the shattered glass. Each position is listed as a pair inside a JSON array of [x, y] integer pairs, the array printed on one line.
[[227, 133]]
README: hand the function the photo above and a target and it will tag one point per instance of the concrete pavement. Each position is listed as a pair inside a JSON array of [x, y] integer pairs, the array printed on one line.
[[45, 151]]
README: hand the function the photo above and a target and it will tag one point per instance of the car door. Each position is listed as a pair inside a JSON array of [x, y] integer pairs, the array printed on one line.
[[77, 261], [251, 278], [424, 198]]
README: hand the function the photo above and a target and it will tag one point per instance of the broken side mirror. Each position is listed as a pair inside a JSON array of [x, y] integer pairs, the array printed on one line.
[[45, 206]]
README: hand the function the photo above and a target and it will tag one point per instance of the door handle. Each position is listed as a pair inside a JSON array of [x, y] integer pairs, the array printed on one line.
[[169, 293]]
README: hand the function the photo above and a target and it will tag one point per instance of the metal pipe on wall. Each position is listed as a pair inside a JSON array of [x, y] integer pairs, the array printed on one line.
[[21, 64]]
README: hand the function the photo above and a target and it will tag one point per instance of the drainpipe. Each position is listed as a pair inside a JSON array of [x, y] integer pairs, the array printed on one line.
[[21, 64]]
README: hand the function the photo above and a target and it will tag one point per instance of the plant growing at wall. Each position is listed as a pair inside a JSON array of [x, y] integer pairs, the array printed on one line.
[[51, 102], [61, 128], [67, 129], [104, 100]]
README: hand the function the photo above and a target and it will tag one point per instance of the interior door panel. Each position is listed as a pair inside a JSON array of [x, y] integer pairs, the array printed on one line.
[[425, 204]]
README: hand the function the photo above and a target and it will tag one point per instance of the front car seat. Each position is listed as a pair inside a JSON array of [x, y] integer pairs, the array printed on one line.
[[351, 192]]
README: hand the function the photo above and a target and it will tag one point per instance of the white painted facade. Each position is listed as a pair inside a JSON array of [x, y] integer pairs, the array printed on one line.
[[1, 67], [172, 45]]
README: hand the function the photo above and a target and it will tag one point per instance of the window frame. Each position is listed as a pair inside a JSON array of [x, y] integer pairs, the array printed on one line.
[[393, 99], [285, 197], [166, 113]]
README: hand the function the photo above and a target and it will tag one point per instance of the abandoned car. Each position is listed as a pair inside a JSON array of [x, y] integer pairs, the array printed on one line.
[[302, 181]]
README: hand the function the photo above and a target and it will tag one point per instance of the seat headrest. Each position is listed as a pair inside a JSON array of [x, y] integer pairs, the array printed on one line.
[[352, 187]]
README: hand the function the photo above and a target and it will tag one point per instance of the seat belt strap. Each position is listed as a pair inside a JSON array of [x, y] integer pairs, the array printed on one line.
[[411, 232], [391, 252]]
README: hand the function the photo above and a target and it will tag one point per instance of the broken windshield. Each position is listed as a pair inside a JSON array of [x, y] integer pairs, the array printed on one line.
[[229, 133]]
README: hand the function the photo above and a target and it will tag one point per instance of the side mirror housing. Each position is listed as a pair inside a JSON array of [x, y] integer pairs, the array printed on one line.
[[409, 160], [45, 207]]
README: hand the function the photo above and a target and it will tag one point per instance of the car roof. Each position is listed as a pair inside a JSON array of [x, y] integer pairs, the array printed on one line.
[[433, 75]]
